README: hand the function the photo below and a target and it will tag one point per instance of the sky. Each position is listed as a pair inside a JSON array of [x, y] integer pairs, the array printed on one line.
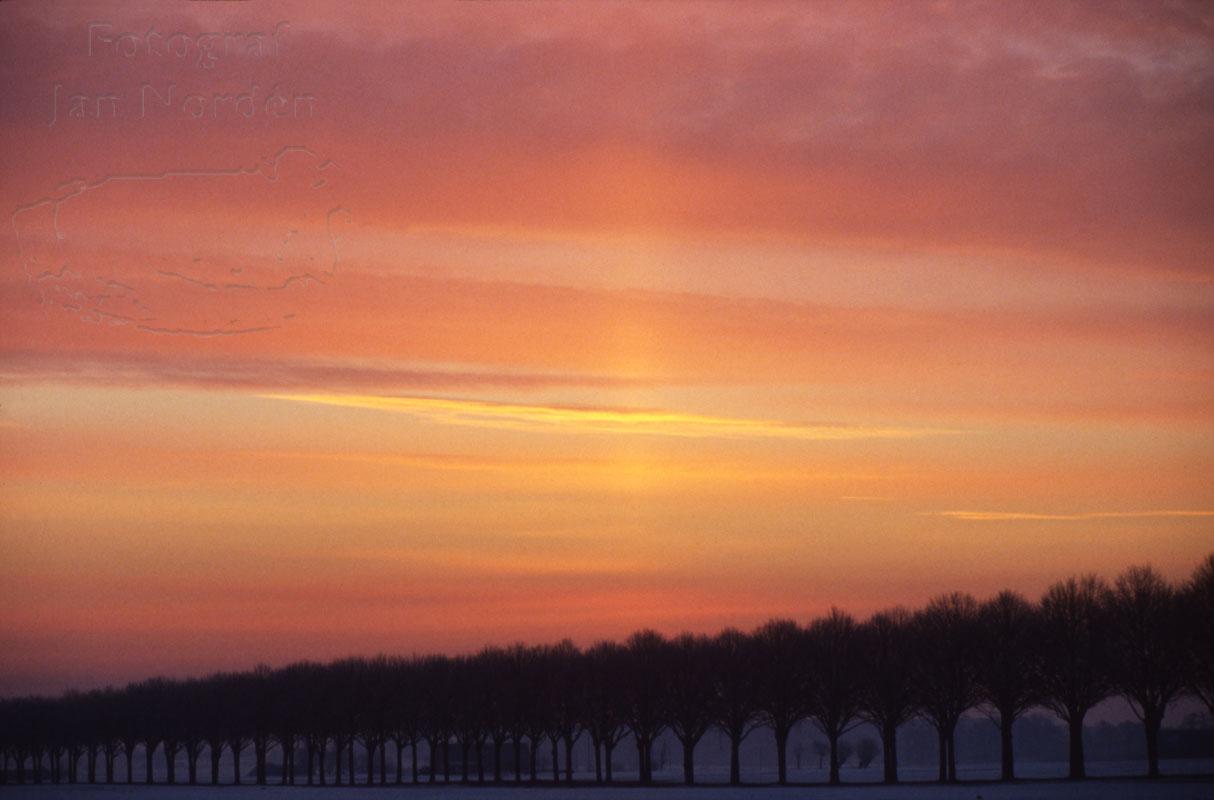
[[344, 328]]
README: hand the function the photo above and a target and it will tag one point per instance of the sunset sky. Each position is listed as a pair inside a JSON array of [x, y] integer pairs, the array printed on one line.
[[340, 328]]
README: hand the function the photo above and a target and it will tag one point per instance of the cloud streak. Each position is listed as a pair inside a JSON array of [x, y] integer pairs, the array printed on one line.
[[1023, 516], [253, 372], [619, 421]]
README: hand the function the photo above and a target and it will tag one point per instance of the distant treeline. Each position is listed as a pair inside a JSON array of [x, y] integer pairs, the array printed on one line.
[[488, 715]]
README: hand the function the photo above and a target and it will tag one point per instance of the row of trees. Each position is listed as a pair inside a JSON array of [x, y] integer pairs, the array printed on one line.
[[489, 714]]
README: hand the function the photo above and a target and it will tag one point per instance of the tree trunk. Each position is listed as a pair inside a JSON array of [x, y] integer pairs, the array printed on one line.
[[369, 746], [781, 733], [149, 750], [608, 748], [170, 763], [556, 762], [1007, 771], [130, 767], [216, 754], [259, 752], [497, 760], [598, 761], [383, 762], [891, 753], [534, 756], [400, 762], [517, 742], [1151, 724], [689, 762], [952, 753], [833, 738], [413, 752], [338, 745], [951, 741], [735, 758], [350, 757], [569, 741], [1075, 724], [642, 760], [942, 746], [236, 764]]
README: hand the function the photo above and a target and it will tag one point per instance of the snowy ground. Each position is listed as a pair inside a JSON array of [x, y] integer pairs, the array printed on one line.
[[1101, 789], [1191, 779]]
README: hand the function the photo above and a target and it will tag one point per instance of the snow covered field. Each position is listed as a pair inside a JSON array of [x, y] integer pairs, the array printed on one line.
[[1185, 779], [1103, 789]]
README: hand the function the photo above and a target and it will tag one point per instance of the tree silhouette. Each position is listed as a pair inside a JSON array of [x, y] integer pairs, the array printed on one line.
[[887, 669], [1075, 655], [192, 697], [514, 681], [645, 696], [1197, 610], [947, 633], [606, 719], [1143, 639], [836, 689], [403, 713], [237, 704], [1148, 650], [735, 674], [436, 685], [535, 714], [782, 689], [693, 704], [211, 722], [1008, 665]]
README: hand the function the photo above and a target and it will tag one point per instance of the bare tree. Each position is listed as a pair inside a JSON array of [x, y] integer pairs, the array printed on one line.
[[947, 669], [1148, 650], [403, 713], [1197, 604], [888, 680], [782, 688], [536, 713], [516, 676], [436, 685], [1009, 666], [836, 688], [735, 671], [606, 719], [693, 703], [1075, 655], [645, 696]]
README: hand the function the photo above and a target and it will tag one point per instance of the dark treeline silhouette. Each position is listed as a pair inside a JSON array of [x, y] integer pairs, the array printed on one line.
[[487, 717]]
